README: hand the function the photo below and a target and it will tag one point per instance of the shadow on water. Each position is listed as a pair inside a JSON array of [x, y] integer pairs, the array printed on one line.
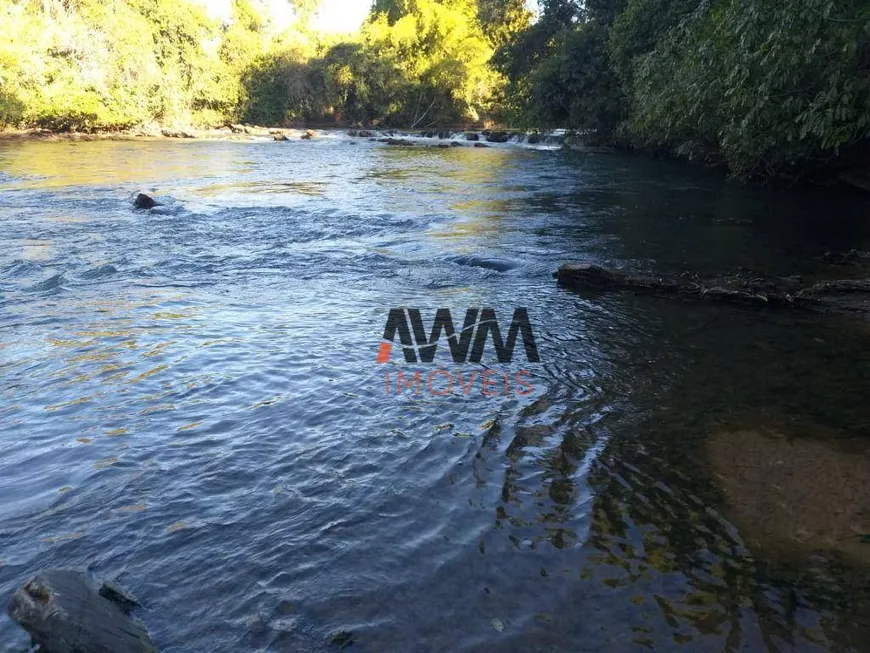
[[730, 489]]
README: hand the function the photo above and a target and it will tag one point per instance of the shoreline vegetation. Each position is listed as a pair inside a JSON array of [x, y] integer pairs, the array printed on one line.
[[769, 92], [852, 178]]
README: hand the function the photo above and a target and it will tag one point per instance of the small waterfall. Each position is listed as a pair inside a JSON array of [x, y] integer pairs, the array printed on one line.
[[551, 139]]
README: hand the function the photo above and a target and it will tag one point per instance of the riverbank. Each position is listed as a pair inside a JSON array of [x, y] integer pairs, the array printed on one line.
[[853, 178], [235, 132], [444, 137]]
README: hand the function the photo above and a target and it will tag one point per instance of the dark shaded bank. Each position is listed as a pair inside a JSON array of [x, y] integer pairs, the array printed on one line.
[[833, 296], [772, 91]]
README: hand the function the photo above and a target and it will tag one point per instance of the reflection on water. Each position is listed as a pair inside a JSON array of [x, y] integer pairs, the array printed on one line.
[[190, 402]]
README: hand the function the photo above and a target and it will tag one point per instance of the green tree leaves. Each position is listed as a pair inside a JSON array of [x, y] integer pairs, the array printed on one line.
[[766, 87]]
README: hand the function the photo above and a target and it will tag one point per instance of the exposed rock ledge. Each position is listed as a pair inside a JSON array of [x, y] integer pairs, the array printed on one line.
[[845, 295]]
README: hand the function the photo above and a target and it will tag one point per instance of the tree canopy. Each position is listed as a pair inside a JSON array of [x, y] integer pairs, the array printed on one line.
[[763, 87]]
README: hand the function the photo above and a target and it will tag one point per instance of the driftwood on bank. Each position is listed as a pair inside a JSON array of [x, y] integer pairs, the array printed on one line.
[[846, 295], [66, 611]]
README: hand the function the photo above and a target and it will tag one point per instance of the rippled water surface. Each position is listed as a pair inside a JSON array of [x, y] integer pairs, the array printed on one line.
[[189, 399]]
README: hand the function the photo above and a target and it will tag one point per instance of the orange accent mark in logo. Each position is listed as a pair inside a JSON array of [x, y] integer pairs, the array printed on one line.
[[384, 352]]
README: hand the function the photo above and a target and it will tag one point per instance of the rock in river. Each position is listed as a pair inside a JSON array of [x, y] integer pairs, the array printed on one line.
[[143, 201], [498, 137], [836, 296], [67, 611]]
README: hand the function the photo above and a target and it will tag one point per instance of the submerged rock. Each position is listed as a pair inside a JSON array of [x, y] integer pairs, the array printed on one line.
[[67, 611], [143, 201], [795, 492], [481, 145], [490, 263], [395, 141], [853, 256], [590, 275]]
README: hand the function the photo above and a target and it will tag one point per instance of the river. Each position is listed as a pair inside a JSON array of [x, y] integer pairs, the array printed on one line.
[[191, 401]]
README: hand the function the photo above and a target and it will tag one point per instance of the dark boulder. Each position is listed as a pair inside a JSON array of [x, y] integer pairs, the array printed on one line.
[[365, 133], [589, 275], [281, 136], [471, 136], [498, 137], [307, 135], [481, 145], [455, 144], [533, 138], [143, 201], [67, 611], [837, 296]]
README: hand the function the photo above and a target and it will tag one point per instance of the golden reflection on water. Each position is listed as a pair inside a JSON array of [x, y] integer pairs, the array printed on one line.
[[52, 165]]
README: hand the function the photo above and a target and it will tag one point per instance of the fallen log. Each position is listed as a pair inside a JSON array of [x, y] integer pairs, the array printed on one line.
[[846, 295], [67, 611]]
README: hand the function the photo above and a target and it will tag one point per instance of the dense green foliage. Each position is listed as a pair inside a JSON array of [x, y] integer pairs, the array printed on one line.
[[97, 64], [111, 64], [766, 87]]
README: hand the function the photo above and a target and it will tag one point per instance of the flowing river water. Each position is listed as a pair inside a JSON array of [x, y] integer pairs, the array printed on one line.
[[190, 400]]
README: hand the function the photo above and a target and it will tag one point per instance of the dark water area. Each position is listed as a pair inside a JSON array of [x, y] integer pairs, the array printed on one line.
[[190, 403]]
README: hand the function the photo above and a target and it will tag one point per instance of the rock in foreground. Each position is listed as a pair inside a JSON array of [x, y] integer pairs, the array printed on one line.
[[67, 611]]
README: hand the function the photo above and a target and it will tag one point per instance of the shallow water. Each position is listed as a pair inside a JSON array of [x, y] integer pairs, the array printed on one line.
[[191, 402]]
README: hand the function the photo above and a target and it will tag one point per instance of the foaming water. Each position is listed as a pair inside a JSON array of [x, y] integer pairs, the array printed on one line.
[[190, 399]]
